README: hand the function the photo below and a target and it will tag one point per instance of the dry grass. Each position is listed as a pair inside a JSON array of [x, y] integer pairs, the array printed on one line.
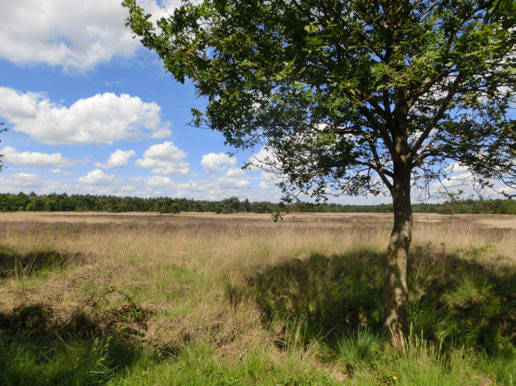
[[177, 269]]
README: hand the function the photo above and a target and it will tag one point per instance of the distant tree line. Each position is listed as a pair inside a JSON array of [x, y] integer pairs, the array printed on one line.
[[86, 202]]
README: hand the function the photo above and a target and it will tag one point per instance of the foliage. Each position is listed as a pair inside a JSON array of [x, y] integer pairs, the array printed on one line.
[[349, 94], [83, 203], [352, 97]]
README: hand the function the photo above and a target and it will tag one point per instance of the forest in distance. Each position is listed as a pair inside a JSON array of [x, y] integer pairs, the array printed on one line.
[[10, 202]]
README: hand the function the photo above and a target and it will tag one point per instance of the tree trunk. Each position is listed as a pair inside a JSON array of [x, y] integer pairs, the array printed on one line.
[[395, 293]]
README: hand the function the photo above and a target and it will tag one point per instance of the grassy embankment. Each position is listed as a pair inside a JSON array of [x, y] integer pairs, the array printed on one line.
[[237, 299]]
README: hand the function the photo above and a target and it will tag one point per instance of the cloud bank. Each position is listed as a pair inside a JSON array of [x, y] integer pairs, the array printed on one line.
[[102, 118], [74, 34], [26, 158]]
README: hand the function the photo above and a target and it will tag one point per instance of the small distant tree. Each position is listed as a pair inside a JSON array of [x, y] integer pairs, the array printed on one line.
[[352, 97]]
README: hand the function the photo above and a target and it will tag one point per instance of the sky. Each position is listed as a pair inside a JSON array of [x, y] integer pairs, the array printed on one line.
[[89, 110]]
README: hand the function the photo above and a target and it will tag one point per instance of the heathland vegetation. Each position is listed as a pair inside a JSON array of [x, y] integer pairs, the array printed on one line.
[[237, 299], [345, 97], [86, 203], [351, 97]]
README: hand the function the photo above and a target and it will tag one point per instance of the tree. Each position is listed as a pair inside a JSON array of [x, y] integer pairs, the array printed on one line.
[[352, 97]]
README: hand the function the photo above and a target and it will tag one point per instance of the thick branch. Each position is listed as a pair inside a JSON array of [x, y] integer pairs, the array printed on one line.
[[374, 123]]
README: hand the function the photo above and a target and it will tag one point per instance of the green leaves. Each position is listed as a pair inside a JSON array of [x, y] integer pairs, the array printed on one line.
[[389, 78]]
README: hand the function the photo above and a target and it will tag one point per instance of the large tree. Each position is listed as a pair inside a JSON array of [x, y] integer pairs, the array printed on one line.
[[352, 96]]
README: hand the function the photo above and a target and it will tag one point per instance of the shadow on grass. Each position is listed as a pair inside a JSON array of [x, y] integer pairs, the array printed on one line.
[[16, 264], [454, 301], [41, 346]]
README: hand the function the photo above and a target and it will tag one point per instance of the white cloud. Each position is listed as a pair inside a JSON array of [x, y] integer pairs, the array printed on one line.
[[233, 183], [26, 158], [19, 182], [25, 178], [263, 160], [75, 34], [268, 181], [117, 159], [266, 161], [119, 189], [49, 187], [102, 118], [96, 177], [456, 167], [233, 179], [60, 172], [212, 162], [164, 158], [159, 181]]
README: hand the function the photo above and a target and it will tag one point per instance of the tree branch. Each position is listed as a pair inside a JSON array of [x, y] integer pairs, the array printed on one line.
[[438, 115], [378, 165]]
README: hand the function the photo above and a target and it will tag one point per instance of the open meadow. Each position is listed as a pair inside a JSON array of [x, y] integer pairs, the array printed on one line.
[[199, 298]]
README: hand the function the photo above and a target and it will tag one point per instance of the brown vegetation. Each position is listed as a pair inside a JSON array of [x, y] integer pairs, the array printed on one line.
[[170, 280]]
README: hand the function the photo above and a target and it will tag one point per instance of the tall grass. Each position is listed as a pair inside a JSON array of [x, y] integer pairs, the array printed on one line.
[[205, 299]]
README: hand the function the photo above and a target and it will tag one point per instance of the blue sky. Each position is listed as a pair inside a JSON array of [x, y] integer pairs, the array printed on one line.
[[91, 111]]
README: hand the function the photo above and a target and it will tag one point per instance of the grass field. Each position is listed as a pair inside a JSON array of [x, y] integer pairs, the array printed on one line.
[[136, 299]]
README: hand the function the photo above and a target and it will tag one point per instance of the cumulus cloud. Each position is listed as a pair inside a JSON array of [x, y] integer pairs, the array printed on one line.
[[96, 177], [212, 162], [233, 179], [266, 162], [164, 158], [268, 181], [456, 167], [22, 179], [117, 159], [159, 181], [102, 118], [19, 182], [265, 159], [60, 172], [74, 34], [27, 158], [233, 183]]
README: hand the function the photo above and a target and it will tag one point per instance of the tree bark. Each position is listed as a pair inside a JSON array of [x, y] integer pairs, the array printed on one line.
[[395, 293]]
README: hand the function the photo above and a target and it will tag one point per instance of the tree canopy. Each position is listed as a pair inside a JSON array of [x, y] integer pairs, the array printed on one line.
[[85, 202], [340, 90], [352, 96]]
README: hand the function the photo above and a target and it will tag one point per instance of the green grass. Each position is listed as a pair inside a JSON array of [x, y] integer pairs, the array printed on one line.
[[14, 264], [457, 306], [295, 321], [38, 348], [197, 365], [55, 361]]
